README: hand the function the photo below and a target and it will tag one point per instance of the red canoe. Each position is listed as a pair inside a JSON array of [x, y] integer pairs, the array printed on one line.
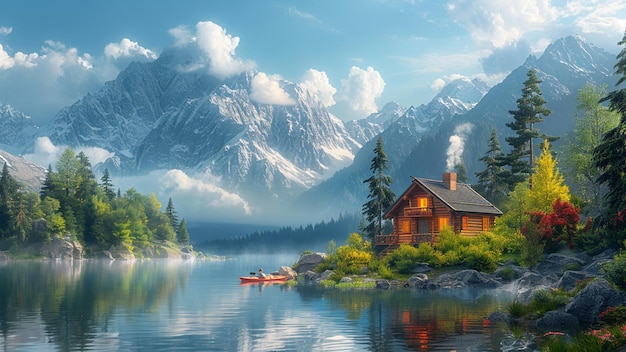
[[268, 278]]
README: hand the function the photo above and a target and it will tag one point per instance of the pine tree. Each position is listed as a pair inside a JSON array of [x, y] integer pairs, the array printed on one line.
[[530, 111], [9, 189], [182, 236], [381, 197], [610, 157], [461, 172], [491, 182], [47, 188], [171, 214], [107, 185]]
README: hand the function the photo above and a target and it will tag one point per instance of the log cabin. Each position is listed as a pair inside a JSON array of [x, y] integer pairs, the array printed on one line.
[[427, 206]]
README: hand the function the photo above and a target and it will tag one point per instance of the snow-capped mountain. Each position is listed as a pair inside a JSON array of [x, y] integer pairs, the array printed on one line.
[[15, 128], [345, 190], [154, 116], [416, 144]]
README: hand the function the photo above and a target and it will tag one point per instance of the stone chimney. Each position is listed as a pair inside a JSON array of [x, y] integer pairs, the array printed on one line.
[[449, 180]]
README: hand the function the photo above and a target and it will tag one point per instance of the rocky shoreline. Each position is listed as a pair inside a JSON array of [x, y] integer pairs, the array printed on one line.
[[557, 271]]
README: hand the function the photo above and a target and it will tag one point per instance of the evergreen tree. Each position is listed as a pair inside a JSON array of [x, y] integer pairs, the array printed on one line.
[[530, 111], [171, 214], [182, 236], [9, 189], [107, 185], [491, 182], [47, 188], [592, 122], [610, 157], [381, 197]]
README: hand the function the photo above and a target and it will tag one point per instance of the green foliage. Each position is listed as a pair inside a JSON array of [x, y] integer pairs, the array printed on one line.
[[380, 196], [507, 274], [348, 259], [581, 342], [543, 301], [481, 258], [615, 271], [517, 309], [491, 182], [403, 259], [613, 316], [385, 272], [608, 157]]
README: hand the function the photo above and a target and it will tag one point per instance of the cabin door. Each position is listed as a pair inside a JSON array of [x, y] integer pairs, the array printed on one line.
[[422, 226]]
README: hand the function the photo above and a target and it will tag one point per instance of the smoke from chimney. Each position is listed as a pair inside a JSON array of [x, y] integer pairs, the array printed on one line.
[[457, 143]]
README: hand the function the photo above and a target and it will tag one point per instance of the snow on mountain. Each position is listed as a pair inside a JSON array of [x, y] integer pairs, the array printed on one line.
[[155, 116], [29, 175], [345, 190], [16, 128]]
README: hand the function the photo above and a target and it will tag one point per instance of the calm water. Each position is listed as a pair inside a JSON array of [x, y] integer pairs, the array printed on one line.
[[159, 305]]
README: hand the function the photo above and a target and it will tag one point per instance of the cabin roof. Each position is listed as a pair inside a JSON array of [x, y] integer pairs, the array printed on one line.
[[463, 199]]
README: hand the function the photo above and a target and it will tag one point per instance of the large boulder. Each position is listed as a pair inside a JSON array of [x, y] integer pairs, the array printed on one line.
[[62, 248], [592, 300], [287, 270], [557, 263], [558, 321], [461, 279], [570, 279], [309, 262]]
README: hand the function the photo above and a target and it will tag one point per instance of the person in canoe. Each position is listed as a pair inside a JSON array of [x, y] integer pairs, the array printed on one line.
[[261, 274]]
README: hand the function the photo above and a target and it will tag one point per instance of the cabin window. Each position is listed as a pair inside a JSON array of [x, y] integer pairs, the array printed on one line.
[[464, 222], [486, 223], [422, 202], [406, 226], [443, 223]]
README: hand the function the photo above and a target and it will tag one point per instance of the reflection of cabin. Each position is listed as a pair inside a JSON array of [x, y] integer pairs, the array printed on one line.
[[427, 206]]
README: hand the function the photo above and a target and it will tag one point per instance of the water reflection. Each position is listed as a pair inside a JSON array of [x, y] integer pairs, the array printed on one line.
[[401, 319], [73, 309]]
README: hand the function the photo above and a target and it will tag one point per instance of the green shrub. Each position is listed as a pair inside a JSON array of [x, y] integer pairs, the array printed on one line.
[[544, 301], [613, 316], [385, 272], [507, 274], [615, 272], [481, 259], [517, 309]]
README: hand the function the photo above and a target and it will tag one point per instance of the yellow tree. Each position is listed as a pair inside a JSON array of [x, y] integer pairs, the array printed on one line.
[[548, 183]]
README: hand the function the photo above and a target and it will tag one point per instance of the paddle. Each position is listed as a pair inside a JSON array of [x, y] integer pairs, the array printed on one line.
[[252, 273]]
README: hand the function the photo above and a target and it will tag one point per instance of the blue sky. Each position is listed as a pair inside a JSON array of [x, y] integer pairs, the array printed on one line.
[[357, 54]]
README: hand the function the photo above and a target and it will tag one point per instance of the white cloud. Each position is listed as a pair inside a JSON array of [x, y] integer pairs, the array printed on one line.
[[317, 82], [361, 89], [46, 153], [202, 192], [599, 17], [267, 90], [5, 30], [126, 48], [437, 84], [220, 49], [182, 36], [502, 22]]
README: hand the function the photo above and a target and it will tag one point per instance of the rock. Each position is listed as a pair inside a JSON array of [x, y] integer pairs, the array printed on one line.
[[509, 272], [531, 282], [186, 250], [62, 248], [592, 300], [309, 262], [311, 275], [463, 278], [500, 317], [417, 280], [105, 255], [570, 279], [325, 275], [421, 268], [287, 270], [558, 321], [4, 256], [383, 284], [557, 263], [346, 279]]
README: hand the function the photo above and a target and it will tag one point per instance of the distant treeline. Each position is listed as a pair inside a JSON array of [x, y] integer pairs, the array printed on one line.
[[310, 237]]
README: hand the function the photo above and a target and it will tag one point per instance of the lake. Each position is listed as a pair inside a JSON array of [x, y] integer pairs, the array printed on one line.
[[175, 305]]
